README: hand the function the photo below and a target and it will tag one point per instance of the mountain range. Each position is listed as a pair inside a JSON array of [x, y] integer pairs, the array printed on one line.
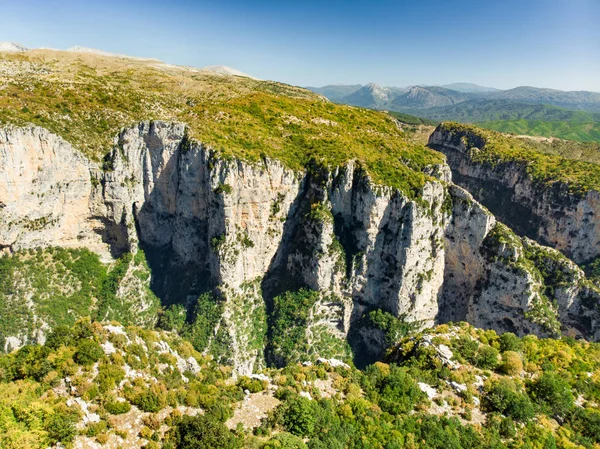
[[424, 97]]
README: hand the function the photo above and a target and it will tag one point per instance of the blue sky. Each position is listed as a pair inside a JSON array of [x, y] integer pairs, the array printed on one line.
[[503, 43]]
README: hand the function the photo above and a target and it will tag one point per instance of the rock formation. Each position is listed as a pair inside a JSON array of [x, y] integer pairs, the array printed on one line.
[[251, 231]]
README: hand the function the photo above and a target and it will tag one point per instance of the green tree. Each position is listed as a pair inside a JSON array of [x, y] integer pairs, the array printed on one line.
[[204, 432], [88, 352], [553, 394]]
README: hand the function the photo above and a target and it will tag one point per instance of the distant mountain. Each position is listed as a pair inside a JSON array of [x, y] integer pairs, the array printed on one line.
[[373, 96], [420, 97], [482, 110], [425, 97], [578, 100], [469, 88], [336, 92]]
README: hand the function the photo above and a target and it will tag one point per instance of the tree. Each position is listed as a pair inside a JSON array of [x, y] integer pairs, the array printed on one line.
[[511, 363], [204, 432], [503, 397], [88, 352], [553, 394]]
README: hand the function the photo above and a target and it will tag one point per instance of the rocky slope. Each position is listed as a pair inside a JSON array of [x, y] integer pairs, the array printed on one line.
[[251, 231]]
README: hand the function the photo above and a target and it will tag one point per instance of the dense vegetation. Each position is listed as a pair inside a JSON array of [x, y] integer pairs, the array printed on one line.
[[496, 391], [63, 285], [87, 98]]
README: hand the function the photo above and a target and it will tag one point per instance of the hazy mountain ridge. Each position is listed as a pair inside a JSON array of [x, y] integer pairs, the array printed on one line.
[[424, 97]]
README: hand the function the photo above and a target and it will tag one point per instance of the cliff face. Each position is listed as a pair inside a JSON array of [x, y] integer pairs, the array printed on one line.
[[549, 214], [45, 192], [251, 231]]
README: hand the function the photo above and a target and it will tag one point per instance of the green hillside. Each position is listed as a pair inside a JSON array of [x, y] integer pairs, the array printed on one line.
[[454, 386], [568, 130], [521, 118]]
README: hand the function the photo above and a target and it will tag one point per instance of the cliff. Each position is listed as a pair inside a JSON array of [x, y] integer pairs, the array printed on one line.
[[251, 231], [550, 199]]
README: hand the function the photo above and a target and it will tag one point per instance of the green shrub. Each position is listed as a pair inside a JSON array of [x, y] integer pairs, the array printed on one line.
[[88, 352], [147, 401], [61, 428], [204, 432], [487, 358], [503, 397], [300, 416], [511, 363], [117, 407], [252, 385], [285, 441], [553, 394]]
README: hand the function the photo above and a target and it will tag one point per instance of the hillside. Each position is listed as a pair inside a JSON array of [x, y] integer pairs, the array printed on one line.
[[521, 118], [524, 110], [121, 386]]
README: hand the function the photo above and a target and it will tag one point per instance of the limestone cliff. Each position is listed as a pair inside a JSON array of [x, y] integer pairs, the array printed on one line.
[[549, 213], [249, 232]]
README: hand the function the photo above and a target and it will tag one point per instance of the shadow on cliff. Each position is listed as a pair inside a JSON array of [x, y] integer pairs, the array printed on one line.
[[176, 240], [383, 282]]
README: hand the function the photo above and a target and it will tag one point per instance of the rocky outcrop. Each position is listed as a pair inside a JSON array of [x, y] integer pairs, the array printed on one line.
[[497, 280], [208, 223], [549, 214]]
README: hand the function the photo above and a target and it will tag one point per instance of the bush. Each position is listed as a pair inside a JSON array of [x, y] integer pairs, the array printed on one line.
[[117, 407], [510, 342], [487, 358], [60, 336], [396, 392], [88, 352], [285, 441], [503, 397], [252, 385], [60, 428], [147, 401], [300, 416], [204, 432], [511, 363], [553, 394]]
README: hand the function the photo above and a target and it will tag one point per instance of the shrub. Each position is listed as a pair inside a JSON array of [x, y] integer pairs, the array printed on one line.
[[502, 397], [117, 407], [88, 352], [60, 336], [147, 401], [511, 363], [204, 432], [553, 394], [487, 358], [60, 428], [510, 342], [299, 416], [285, 441], [252, 385]]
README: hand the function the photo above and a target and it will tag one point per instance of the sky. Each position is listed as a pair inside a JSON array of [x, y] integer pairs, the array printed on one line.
[[501, 43]]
